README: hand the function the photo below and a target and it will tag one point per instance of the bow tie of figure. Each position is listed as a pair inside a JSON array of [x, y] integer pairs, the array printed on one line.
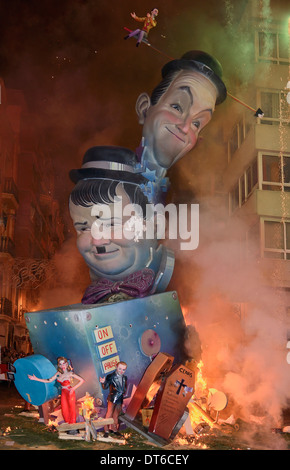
[[138, 284]]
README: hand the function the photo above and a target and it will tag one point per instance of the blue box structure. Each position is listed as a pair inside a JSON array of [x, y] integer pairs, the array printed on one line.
[[95, 337]]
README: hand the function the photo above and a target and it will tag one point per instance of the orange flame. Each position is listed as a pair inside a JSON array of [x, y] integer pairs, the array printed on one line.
[[197, 413], [87, 406], [201, 384], [152, 391], [52, 423]]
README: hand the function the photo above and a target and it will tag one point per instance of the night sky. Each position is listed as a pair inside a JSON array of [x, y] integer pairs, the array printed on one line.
[[82, 79], [79, 75]]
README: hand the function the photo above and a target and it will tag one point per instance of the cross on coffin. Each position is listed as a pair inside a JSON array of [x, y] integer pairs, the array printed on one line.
[[181, 385]]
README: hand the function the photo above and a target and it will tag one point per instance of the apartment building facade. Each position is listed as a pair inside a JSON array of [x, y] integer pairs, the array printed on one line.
[[31, 226], [256, 176]]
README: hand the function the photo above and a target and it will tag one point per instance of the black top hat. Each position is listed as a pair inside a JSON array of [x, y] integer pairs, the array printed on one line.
[[108, 162], [202, 63]]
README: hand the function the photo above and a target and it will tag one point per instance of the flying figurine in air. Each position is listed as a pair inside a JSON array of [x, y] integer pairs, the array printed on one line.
[[149, 22]]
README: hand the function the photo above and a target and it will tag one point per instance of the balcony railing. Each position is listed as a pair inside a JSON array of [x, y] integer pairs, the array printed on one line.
[[7, 245], [5, 307], [10, 187]]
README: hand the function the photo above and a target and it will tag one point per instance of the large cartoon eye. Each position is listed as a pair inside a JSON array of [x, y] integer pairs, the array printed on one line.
[[196, 124], [177, 107]]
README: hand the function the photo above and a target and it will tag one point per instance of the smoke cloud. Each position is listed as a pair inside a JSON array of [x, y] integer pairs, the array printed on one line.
[[239, 313]]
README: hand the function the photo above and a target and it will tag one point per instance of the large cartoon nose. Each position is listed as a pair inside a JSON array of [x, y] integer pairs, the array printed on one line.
[[100, 235], [100, 241], [185, 125]]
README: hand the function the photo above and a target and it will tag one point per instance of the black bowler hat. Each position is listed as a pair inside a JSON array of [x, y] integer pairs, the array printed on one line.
[[108, 162], [202, 63]]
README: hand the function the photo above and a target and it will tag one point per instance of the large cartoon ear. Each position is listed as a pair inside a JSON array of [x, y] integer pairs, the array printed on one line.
[[143, 103]]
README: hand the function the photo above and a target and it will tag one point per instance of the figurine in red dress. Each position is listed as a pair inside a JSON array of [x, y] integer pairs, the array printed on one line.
[[64, 377]]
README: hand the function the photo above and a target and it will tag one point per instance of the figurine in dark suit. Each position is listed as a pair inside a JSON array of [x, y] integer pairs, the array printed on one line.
[[117, 383]]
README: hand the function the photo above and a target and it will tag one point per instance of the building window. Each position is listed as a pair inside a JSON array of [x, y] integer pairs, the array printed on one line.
[[272, 47], [238, 135], [276, 239], [275, 172], [235, 198], [253, 241], [275, 107], [252, 176], [244, 187]]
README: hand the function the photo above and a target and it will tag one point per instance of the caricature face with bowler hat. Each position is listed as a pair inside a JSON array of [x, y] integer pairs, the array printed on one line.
[[179, 107], [103, 233]]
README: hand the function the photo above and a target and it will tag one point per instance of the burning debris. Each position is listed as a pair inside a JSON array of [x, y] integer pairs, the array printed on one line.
[[91, 429], [203, 405], [174, 402], [171, 403], [6, 431], [88, 428]]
